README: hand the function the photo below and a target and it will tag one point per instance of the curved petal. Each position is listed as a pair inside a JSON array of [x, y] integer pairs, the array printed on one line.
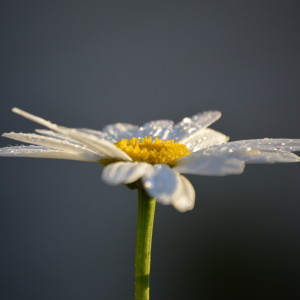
[[57, 135], [49, 142], [124, 172], [250, 151], [213, 166], [188, 127], [161, 183], [119, 131], [99, 134], [205, 138], [43, 152], [185, 200], [257, 157], [98, 145], [36, 119], [104, 147], [160, 129], [289, 145]]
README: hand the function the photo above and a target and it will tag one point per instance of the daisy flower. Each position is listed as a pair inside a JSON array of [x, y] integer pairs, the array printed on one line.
[[152, 158], [154, 155]]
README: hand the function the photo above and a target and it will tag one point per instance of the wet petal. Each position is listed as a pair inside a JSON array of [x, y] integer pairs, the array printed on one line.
[[57, 135], [212, 166], [289, 145], [43, 152], [38, 120], [99, 134], [119, 131], [100, 146], [185, 200], [161, 183], [250, 151], [188, 127], [206, 138], [124, 172], [49, 142], [256, 156], [160, 129]]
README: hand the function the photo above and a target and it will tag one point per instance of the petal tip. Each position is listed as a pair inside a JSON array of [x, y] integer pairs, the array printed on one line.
[[17, 110]]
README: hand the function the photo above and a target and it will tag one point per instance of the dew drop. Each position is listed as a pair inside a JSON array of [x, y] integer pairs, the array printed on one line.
[[186, 121], [148, 184]]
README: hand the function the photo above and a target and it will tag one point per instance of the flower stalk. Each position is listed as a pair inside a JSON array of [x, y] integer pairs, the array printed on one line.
[[146, 211]]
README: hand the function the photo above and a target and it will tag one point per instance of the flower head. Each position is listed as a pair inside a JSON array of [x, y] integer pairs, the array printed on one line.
[[155, 154]]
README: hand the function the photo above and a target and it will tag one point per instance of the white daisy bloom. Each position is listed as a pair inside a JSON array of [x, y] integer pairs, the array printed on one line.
[[155, 154]]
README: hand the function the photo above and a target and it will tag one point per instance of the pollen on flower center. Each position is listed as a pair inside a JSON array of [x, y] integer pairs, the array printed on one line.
[[153, 151]]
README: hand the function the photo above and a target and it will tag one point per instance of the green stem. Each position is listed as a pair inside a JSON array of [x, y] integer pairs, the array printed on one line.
[[146, 210]]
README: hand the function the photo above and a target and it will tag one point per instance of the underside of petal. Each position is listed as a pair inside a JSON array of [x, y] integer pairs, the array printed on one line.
[[124, 172], [212, 166], [57, 135], [160, 129], [101, 147], [267, 144], [205, 138], [256, 157], [161, 183], [49, 142], [104, 147], [43, 152], [118, 131], [185, 200], [188, 127]]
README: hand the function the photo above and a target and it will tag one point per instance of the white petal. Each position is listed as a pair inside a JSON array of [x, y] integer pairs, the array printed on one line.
[[124, 172], [98, 145], [43, 152], [188, 127], [214, 166], [289, 145], [185, 200], [99, 134], [161, 183], [119, 131], [285, 145], [49, 142], [37, 119], [57, 136], [160, 129], [205, 138], [256, 156], [250, 151]]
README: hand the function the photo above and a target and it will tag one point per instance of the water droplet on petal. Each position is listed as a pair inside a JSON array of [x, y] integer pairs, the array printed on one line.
[[186, 121]]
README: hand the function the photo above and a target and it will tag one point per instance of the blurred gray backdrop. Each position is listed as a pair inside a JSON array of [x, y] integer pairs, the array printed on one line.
[[67, 235]]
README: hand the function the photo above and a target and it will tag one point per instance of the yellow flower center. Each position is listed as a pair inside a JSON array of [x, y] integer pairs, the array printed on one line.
[[153, 151]]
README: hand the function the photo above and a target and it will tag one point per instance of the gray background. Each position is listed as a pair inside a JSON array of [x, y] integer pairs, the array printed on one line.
[[67, 235]]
